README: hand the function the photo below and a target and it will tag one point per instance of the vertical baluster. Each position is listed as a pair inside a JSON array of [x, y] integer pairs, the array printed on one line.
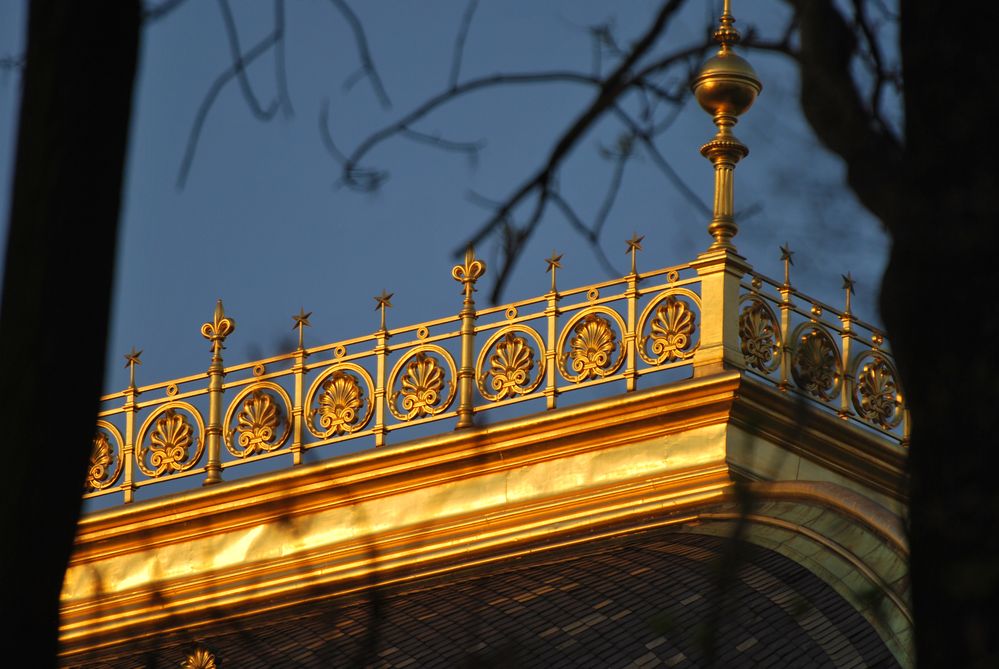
[[467, 274], [216, 332], [551, 315], [298, 369], [631, 294], [846, 339], [128, 450], [785, 317], [381, 351]]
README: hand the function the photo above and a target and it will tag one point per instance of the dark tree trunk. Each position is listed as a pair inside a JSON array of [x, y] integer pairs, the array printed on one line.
[[75, 108], [938, 300]]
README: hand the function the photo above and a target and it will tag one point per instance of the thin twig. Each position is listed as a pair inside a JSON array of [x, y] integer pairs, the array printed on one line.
[[379, 136], [577, 223], [459, 42], [157, 12], [470, 148], [240, 68], [281, 69], [213, 91], [368, 68]]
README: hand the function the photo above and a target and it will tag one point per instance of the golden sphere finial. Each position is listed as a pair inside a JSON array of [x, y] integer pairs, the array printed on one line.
[[727, 84], [726, 87]]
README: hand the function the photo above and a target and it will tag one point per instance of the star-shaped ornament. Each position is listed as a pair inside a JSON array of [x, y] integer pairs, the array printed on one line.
[[301, 319], [635, 243], [132, 358], [554, 262], [849, 283], [383, 300], [786, 253]]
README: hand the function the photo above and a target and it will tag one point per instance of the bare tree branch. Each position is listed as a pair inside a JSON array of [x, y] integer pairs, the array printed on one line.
[[368, 68], [577, 223], [281, 69], [379, 136], [210, 96], [232, 34], [156, 12], [471, 149], [459, 41], [356, 177], [616, 84]]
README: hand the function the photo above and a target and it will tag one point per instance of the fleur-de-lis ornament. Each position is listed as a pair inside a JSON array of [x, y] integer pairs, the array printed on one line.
[[218, 329], [469, 272]]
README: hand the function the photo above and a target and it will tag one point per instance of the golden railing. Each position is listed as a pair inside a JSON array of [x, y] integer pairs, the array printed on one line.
[[395, 379], [827, 355], [712, 314]]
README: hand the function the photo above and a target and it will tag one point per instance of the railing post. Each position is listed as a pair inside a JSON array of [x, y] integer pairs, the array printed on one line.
[[467, 274], [786, 306], [551, 315], [720, 347], [381, 352], [215, 331], [631, 337], [298, 369], [128, 451], [846, 340]]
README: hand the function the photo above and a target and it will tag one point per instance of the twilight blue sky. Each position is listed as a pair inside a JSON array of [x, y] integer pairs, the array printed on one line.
[[262, 224]]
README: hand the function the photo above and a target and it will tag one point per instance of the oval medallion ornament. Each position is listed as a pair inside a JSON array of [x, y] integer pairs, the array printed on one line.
[[424, 386], [511, 363], [105, 460], [876, 395], [592, 343], [815, 364], [168, 442], [261, 422], [339, 401], [340, 404], [672, 332], [759, 334]]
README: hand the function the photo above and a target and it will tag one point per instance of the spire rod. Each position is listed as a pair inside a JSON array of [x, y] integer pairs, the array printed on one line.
[[726, 88]]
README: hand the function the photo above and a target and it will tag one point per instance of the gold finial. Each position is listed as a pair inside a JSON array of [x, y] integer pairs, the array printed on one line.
[[301, 321], [218, 329], [726, 34], [384, 301], [726, 88], [131, 360], [785, 256], [554, 263], [469, 272], [848, 284], [200, 658], [634, 246]]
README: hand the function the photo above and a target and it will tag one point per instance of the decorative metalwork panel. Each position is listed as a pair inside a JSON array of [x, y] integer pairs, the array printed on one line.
[[876, 393], [105, 457], [257, 420], [168, 441], [671, 323], [815, 362], [759, 335], [590, 345], [339, 401], [513, 367], [422, 383]]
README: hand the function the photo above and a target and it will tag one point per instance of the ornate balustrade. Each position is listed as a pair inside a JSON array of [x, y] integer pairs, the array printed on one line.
[[370, 387], [827, 355], [460, 367]]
